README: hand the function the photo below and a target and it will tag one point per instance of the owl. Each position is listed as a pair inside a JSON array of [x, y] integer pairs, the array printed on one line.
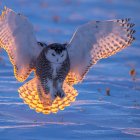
[[52, 67], [57, 67]]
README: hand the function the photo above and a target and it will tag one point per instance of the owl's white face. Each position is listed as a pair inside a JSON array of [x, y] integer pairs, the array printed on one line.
[[55, 57]]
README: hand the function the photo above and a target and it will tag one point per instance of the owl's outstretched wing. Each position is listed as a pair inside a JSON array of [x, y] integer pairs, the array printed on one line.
[[29, 93], [94, 41], [18, 39]]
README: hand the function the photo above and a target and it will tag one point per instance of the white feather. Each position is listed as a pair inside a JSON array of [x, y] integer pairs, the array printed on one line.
[[55, 67], [18, 39], [97, 40]]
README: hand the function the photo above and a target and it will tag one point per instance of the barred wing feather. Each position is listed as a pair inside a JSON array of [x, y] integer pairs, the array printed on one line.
[[94, 41], [18, 39], [30, 95]]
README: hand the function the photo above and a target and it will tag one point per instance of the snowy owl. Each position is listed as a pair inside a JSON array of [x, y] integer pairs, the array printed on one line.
[[57, 67]]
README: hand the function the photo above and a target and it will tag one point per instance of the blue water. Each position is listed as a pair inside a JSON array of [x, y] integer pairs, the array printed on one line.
[[94, 115]]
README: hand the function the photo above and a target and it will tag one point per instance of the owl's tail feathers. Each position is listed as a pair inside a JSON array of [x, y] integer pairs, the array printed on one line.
[[29, 93]]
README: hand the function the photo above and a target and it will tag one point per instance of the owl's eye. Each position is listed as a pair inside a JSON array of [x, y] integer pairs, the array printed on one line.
[[53, 54]]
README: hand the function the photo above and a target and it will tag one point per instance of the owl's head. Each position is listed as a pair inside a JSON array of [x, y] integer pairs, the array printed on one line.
[[56, 53]]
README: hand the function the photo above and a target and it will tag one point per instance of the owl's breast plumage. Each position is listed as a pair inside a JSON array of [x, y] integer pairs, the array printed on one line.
[[47, 70]]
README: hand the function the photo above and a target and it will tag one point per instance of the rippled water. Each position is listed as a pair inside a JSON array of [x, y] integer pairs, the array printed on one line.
[[94, 115]]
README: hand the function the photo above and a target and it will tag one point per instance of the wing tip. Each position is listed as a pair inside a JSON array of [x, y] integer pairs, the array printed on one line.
[[5, 12], [129, 28]]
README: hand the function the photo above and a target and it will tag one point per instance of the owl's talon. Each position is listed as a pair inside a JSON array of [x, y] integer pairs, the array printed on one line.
[[60, 94], [53, 97]]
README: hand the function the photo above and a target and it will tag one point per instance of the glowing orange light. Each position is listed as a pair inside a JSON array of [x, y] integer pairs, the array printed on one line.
[[29, 94]]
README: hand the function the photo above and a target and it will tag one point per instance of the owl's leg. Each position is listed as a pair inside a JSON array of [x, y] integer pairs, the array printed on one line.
[[43, 93], [60, 91], [52, 89], [55, 89]]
